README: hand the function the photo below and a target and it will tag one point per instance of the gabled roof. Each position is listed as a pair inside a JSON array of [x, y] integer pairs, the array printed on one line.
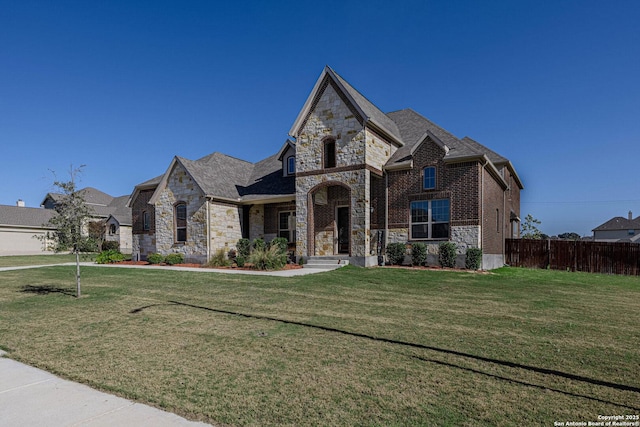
[[228, 178], [20, 216], [619, 223], [287, 144], [371, 115], [92, 197]]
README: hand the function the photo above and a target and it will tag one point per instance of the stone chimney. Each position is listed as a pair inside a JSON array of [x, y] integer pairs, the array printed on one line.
[[630, 216], [20, 203]]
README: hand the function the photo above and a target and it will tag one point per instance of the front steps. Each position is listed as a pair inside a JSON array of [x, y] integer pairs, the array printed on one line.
[[327, 262]]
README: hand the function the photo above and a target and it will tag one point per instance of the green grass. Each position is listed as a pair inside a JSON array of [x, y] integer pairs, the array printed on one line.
[[21, 260], [349, 347]]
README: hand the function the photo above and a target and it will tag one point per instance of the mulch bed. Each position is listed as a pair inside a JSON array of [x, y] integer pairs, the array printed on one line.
[[286, 267]]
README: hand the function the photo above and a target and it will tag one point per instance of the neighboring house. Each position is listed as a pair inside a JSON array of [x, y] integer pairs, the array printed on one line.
[[351, 180], [110, 212], [22, 231], [618, 229]]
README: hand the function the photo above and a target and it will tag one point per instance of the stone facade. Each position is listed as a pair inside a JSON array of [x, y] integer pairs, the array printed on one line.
[[224, 226], [180, 187]]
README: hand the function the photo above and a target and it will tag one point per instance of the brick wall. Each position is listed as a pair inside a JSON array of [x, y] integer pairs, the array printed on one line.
[[457, 182], [140, 205], [493, 216]]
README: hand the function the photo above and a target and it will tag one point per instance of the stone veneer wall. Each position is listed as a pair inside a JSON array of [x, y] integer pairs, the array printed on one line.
[[256, 222], [142, 246], [225, 226], [181, 188]]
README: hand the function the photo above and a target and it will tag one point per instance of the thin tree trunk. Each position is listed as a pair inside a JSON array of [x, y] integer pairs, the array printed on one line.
[[77, 274]]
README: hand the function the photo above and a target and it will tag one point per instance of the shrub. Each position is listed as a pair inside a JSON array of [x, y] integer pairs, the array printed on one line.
[[88, 244], [473, 258], [259, 244], [447, 254], [281, 243], [418, 254], [244, 247], [155, 258], [395, 253], [268, 259], [174, 258], [219, 259], [109, 257], [240, 261], [109, 245], [301, 260]]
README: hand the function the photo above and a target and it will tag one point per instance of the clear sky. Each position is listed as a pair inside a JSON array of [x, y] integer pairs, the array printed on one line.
[[123, 86]]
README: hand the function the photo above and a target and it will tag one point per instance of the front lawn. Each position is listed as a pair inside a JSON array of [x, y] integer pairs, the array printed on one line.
[[45, 259], [349, 347]]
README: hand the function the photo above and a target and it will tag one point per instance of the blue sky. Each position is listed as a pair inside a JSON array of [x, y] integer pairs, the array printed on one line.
[[123, 86]]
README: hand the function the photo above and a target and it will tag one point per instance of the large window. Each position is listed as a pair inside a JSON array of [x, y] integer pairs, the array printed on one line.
[[287, 226], [430, 219], [181, 222], [429, 178], [329, 154]]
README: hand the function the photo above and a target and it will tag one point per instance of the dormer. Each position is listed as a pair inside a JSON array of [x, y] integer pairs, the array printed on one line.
[[287, 155]]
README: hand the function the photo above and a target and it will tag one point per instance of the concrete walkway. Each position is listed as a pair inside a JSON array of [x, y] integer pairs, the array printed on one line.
[[280, 273], [32, 397]]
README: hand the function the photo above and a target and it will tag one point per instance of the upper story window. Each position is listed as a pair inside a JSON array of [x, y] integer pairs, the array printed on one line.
[[329, 154], [181, 222], [429, 178], [291, 165], [430, 219], [145, 221]]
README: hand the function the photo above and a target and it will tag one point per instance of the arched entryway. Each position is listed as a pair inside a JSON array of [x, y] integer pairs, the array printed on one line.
[[329, 219]]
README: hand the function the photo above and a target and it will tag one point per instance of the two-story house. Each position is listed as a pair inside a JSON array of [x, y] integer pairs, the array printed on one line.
[[349, 181]]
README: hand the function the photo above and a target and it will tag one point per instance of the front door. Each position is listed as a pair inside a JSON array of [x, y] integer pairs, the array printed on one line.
[[342, 229]]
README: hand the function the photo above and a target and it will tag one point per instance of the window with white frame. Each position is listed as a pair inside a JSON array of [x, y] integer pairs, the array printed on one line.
[[430, 219], [429, 178], [291, 165], [181, 222], [287, 225]]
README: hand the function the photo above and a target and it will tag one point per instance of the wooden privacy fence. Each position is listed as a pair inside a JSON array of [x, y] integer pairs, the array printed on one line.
[[591, 257]]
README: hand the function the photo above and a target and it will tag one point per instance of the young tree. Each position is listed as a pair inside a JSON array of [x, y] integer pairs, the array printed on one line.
[[72, 215], [530, 228]]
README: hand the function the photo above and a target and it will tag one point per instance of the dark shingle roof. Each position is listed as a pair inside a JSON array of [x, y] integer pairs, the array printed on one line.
[[24, 217], [218, 174], [619, 223], [267, 180]]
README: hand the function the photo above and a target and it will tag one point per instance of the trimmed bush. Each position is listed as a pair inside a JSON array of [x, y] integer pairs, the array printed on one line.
[[259, 244], [155, 258], [240, 261], [281, 243], [243, 248], [174, 258], [447, 254], [110, 245], [268, 259], [395, 253], [473, 258], [219, 259], [109, 257], [418, 254]]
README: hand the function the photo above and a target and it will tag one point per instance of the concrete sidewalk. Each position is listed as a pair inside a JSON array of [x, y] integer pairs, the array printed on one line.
[[32, 397], [279, 273]]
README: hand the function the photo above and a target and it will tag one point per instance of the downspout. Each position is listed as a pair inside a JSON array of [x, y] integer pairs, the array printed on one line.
[[208, 233], [386, 211]]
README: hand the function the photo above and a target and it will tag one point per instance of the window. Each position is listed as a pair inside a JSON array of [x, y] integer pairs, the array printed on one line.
[[329, 154], [287, 226], [429, 178], [181, 222], [430, 219], [112, 229], [145, 221], [291, 165]]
